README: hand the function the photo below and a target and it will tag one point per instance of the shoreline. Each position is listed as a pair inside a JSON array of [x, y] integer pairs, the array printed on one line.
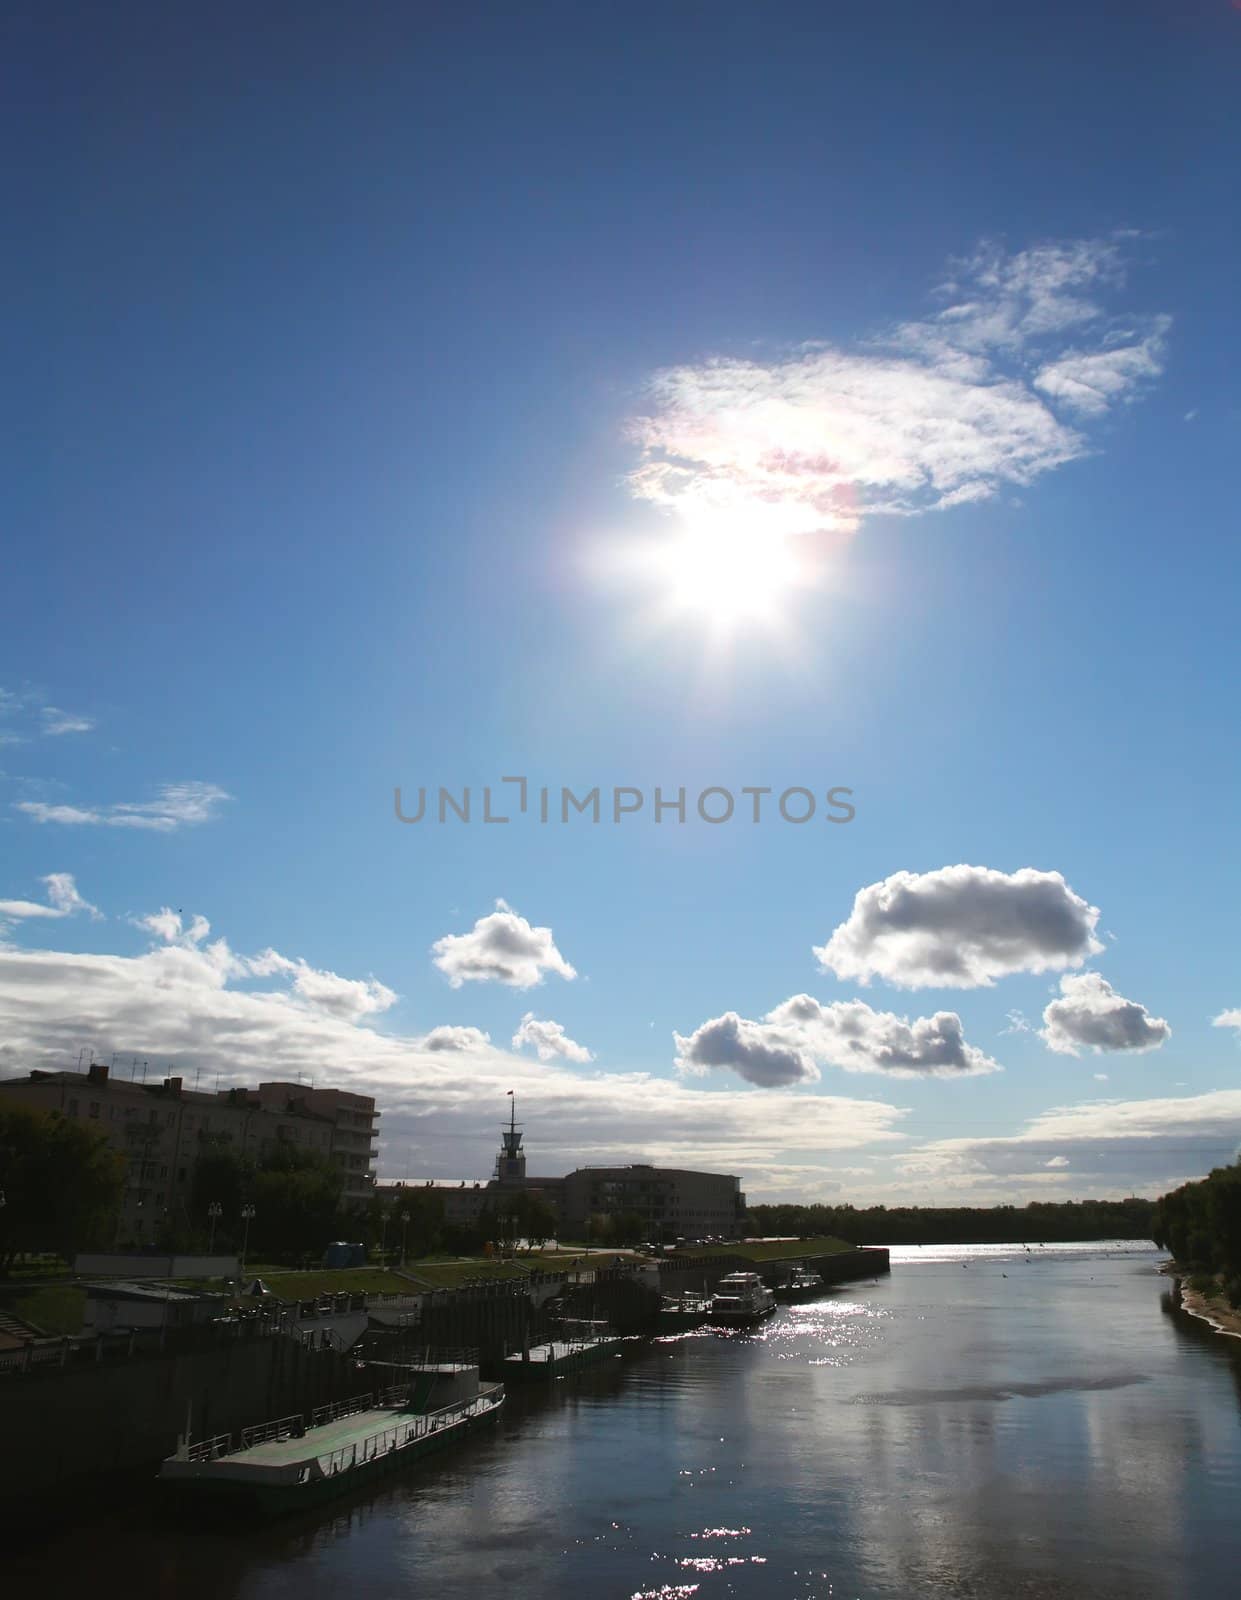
[[1219, 1316]]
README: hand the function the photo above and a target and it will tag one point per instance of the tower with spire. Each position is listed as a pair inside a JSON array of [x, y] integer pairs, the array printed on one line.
[[511, 1161]]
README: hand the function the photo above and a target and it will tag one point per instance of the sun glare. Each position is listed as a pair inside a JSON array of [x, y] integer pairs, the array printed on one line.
[[728, 577]]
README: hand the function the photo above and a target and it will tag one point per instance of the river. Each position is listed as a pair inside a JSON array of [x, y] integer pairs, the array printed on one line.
[[982, 1425]]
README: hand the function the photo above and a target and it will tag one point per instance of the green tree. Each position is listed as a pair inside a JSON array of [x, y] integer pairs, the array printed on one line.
[[296, 1198], [62, 1185]]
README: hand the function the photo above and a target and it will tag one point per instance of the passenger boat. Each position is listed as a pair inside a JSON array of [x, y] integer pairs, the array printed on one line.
[[283, 1466], [740, 1299]]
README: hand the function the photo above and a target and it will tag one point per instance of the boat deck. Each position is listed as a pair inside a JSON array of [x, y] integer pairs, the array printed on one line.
[[323, 1440]]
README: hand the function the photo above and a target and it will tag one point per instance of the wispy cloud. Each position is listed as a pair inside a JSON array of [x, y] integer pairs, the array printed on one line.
[[25, 714], [933, 413], [57, 722], [177, 805], [63, 900]]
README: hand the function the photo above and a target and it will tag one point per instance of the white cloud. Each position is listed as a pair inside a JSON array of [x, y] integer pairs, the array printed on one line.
[[177, 805], [756, 1051], [1090, 1015], [1057, 1161], [1092, 383], [799, 1036], [1018, 1022], [550, 1041], [936, 413], [35, 717], [449, 1037], [500, 948], [63, 900], [851, 1035], [1101, 1077], [181, 1002], [961, 928], [1228, 1019], [57, 722], [348, 998]]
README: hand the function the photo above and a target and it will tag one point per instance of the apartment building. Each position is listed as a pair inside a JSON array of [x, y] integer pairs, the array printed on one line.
[[673, 1202], [161, 1129], [355, 1129]]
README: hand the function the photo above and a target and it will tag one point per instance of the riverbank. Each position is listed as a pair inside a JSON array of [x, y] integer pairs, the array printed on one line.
[[1210, 1308]]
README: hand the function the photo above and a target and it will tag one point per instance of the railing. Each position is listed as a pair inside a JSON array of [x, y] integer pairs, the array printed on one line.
[[395, 1394], [404, 1433], [263, 1431], [341, 1408], [210, 1449]]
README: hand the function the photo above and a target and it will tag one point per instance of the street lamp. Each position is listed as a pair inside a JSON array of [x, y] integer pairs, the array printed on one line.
[[383, 1237], [403, 1219], [247, 1216], [215, 1211]]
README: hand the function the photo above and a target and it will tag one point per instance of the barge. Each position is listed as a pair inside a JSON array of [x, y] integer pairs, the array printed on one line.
[[286, 1465]]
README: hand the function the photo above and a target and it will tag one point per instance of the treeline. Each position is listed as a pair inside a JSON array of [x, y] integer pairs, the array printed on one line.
[[1034, 1223], [1200, 1224]]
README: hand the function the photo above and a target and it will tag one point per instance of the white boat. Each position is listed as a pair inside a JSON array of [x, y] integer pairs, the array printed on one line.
[[802, 1284], [741, 1298]]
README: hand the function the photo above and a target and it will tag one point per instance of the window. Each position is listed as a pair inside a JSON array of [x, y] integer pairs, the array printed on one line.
[[73, 1108], [94, 1108]]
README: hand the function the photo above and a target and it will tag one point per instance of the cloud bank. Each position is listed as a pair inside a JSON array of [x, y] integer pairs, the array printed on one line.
[[190, 1002], [961, 927]]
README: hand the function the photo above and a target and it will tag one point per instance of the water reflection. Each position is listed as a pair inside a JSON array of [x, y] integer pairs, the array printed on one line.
[[1006, 1429]]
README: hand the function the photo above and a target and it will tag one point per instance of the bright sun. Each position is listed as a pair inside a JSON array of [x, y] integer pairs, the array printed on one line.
[[726, 576]]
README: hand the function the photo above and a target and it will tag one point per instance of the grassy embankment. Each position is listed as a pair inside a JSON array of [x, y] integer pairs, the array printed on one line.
[[766, 1249]]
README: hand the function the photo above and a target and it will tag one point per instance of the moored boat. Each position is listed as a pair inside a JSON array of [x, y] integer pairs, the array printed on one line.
[[283, 1466], [679, 1312], [801, 1284], [741, 1299]]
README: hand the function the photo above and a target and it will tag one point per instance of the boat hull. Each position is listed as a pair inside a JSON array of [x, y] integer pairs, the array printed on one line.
[[740, 1319]]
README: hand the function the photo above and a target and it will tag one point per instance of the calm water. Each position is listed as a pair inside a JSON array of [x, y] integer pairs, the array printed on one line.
[[974, 1426]]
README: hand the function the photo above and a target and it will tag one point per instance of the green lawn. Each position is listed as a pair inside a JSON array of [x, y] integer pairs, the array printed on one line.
[[333, 1280], [772, 1250], [53, 1308], [452, 1274]]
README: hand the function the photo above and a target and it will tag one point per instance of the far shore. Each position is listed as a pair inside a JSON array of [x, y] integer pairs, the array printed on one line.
[[1208, 1308]]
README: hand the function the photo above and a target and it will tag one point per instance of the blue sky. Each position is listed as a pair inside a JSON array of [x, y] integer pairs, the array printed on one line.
[[683, 396]]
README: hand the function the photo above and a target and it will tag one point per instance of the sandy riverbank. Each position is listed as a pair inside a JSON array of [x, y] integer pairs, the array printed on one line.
[[1210, 1308]]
